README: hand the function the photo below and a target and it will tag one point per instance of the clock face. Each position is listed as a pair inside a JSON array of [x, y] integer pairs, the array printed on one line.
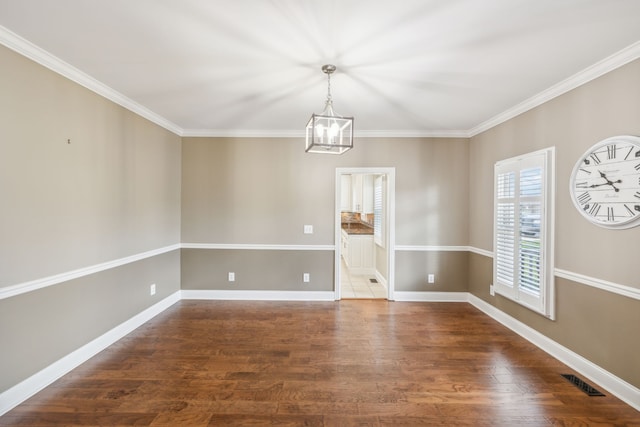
[[605, 183]]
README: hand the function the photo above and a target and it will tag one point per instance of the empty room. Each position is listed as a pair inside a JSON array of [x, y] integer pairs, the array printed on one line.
[[319, 213]]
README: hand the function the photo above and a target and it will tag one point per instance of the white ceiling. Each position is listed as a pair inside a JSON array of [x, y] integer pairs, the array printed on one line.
[[252, 67]]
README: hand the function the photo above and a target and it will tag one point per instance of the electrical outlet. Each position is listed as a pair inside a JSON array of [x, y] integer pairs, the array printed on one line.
[[431, 278], [152, 289], [232, 276], [492, 292], [305, 278], [308, 229]]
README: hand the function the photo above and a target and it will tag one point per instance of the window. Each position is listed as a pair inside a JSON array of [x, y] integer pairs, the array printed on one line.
[[377, 211], [523, 230]]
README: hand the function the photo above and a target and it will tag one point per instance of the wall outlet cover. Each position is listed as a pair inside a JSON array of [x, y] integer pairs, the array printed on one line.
[[308, 229], [152, 289], [305, 278], [232, 276]]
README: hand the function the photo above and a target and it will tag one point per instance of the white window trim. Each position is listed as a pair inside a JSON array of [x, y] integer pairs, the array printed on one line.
[[545, 304]]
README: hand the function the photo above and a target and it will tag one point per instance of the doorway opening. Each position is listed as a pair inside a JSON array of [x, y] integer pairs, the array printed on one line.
[[364, 233]]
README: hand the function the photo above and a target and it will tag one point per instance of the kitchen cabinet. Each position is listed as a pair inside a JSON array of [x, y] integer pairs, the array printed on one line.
[[362, 193], [358, 253], [356, 193], [345, 193]]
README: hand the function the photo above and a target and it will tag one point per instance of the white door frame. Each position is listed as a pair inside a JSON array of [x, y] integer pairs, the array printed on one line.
[[390, 224]]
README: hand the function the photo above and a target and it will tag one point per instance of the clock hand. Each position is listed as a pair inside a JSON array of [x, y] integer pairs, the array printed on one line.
[[608, 182], [614, 187]]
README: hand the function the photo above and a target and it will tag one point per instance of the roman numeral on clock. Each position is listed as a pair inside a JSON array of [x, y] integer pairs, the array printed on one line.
[[595, 158], [610, 216], [629, 153], [585, 197], [631, 212], [595, 208], [611, 152]]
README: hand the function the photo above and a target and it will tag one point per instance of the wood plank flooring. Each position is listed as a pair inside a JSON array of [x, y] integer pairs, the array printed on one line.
[[348, 363]]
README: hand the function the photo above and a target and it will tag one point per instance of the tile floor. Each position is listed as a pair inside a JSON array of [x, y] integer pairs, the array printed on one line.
[[357, 286]]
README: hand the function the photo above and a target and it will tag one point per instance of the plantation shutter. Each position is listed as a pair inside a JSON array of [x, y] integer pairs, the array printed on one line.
[[522, 204], [377, 211], [505, 228], [530, 203]]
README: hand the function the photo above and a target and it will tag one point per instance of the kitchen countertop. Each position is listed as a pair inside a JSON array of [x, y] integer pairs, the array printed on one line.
[[357, 228]]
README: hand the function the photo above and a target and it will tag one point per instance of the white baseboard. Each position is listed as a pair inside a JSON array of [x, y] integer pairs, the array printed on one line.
[[27, 388], [430, 296], [248, 295], [616, 386]]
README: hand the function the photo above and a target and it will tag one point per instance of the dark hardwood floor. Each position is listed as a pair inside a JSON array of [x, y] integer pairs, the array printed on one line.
[[348, 363]]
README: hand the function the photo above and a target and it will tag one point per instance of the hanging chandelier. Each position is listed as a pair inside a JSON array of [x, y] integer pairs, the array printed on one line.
[[328, 132]]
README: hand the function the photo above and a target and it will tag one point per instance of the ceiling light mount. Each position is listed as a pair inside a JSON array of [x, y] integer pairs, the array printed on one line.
[[328, 132], [328, 68]]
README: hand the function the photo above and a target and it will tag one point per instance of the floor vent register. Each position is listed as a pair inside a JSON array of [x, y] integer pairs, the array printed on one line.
[[588, 389]]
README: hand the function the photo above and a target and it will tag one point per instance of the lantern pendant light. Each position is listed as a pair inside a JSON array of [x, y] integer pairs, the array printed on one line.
[[328, 132]]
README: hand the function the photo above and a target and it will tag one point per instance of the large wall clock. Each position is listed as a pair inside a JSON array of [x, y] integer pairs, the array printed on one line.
[[605, 183]]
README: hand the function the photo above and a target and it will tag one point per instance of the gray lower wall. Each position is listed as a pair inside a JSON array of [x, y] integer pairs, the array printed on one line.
[[40, 327], [448, 267], [601, 326], [257, 270], [282, 270]]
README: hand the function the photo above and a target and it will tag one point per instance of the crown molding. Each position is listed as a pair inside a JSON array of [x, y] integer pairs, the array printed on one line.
[[242, 133], [57, 65], [256, 133], [617, 60], [412, 134]]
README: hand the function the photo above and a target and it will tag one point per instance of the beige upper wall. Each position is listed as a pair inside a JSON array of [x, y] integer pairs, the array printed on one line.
[[114, 191], [573, 122], [262, 191]]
